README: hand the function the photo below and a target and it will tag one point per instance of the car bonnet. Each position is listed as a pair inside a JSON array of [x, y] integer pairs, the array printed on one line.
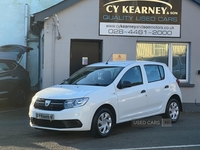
[[67, 91]]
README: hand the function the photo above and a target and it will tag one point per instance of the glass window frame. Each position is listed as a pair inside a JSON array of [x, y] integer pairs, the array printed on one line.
[[170, 56]]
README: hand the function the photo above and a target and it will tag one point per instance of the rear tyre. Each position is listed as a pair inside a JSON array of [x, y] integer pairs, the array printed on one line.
[[172, 110], [102, 123], [19, 96]]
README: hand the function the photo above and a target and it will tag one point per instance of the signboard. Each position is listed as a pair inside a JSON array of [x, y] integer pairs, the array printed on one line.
[[119, 57], [153, 18], [84, 60]]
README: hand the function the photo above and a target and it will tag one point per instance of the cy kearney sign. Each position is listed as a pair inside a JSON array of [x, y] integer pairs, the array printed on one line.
[[160, 18], [137, 9]]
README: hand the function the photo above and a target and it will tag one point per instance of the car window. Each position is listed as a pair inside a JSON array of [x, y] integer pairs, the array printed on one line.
[[134, 76], [97, 76], [6, 66], [154, 73], [162, 73]]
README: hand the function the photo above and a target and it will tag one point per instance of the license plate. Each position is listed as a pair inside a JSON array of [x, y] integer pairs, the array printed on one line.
[[45, 116]]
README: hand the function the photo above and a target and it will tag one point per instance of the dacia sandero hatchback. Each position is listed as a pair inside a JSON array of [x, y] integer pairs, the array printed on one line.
[[101, 95]]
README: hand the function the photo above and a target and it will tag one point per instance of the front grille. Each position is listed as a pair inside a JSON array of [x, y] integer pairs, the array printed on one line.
[[54, 105], [56, 123]]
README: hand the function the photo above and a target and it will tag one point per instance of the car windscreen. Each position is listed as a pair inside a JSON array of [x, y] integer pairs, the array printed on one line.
[[96, 76]]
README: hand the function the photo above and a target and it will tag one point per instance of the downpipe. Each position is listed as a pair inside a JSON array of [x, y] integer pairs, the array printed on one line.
[[25, 33]]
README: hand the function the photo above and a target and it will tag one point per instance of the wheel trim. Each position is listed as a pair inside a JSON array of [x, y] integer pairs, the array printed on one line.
[[174, 111], [104, 123]]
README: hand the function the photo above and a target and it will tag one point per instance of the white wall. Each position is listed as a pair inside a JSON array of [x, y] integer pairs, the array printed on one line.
[[81, 21]]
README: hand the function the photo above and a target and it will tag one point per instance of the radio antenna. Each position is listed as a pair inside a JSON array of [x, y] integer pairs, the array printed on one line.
[[109, 58]]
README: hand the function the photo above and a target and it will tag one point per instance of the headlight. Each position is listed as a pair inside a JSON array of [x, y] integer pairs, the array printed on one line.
[[71, 103]]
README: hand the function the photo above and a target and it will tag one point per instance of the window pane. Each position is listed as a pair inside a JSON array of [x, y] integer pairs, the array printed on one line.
[[179, 61], [7, 66], [133, 75], [162, 74], [174, 55], [101, 76], [153, 73], [153, 52]]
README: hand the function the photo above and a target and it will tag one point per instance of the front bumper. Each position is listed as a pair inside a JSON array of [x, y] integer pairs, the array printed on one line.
[[74, 119], [59, 124]]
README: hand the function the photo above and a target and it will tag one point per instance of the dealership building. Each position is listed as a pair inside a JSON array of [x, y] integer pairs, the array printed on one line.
[[75, 33]]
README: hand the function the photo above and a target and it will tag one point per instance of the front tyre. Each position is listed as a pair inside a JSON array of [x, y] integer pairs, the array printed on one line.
[[172, 110], [102, 123]]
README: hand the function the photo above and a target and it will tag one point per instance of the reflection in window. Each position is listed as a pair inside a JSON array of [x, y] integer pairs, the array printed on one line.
[[151, 50], [133, 75], [179, 61], [96, 76], [173, 55], [154, 73]]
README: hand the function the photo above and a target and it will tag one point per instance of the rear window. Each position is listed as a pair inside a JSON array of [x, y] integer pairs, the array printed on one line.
[[7, 66]]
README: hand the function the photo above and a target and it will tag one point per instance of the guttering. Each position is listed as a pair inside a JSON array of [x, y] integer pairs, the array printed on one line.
[[25, 32]]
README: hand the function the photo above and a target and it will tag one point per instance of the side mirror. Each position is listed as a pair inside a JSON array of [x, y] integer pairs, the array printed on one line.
[[124, 84]]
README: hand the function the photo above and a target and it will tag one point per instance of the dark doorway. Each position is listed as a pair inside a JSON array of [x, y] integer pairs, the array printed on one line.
[[84, 52]]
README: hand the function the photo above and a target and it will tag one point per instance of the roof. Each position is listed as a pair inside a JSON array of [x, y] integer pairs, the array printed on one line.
[[124, 63], [40, 16], [37, 19]]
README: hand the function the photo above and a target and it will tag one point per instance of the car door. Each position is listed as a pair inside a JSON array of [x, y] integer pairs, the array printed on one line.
[[131, 94], [156, 89]]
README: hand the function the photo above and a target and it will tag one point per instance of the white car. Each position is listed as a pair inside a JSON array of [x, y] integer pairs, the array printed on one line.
[[101, 95]]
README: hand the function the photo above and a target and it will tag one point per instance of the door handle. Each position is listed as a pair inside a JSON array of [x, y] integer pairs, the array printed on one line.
[[143, 91], [167, 86]]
